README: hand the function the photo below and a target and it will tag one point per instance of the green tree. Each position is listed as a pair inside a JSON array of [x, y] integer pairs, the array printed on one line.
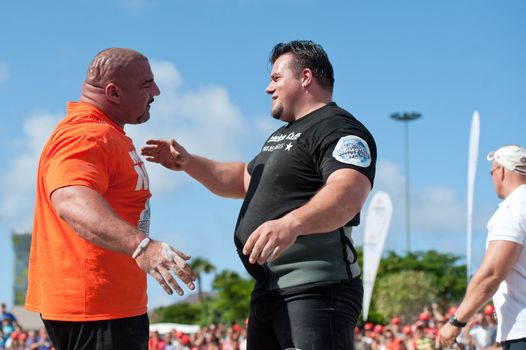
[[404, 294], [199, 266], [447, 274], [233, 296], [179, 313]]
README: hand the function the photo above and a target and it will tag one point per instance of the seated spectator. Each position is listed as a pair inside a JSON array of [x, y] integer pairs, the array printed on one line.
[[4, 314], [422, 342], [408, 339], [43, 342], [393, 342], [155, 342], [490, 324], [32, 338], [7, 327]]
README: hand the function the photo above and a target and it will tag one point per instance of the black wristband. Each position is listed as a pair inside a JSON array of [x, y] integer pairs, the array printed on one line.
[[455, 322]]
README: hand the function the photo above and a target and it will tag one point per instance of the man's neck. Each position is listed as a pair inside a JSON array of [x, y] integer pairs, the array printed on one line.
[[514, 185], [311, 107], [95, 96]]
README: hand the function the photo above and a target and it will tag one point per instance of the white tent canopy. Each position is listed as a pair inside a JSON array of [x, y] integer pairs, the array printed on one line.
[[164, 328]]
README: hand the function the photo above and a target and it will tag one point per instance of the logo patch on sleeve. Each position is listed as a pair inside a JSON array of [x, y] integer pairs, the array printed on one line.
[[352, 150]]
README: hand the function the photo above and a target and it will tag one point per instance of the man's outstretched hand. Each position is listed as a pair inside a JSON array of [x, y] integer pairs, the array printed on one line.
[[168, 153]]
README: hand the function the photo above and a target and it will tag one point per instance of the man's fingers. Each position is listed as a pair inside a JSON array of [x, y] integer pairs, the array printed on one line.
[[152, 159], [180, 260], [247, 248], [171, 280], [175, 145], [154, 142], [256, 250], [182, 255], [274, 254], [184, 273], [266, 252], [159, 278]]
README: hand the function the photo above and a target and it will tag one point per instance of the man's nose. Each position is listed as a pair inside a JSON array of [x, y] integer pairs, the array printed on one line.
[[155, 89]]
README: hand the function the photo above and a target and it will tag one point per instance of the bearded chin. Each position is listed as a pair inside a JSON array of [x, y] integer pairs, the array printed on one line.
[[144, 117], [277, 112]]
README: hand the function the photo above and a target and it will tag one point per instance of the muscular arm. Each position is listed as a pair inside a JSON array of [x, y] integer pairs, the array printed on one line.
[[498, 261], [333, 206], [226, 179], [92, 218]]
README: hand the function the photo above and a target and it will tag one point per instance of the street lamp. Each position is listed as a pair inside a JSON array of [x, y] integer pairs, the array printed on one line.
[[406, 118]]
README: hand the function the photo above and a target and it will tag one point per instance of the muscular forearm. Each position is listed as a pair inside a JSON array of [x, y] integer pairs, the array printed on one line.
[[222, 178], [332, 207], [325, 212], [91, 217], [498, 261], [481, 287]]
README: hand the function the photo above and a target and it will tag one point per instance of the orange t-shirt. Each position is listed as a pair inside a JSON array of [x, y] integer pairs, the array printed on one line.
[[71, 279]]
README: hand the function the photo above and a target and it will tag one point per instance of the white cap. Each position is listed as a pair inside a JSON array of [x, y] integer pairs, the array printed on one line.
[[512, 157]]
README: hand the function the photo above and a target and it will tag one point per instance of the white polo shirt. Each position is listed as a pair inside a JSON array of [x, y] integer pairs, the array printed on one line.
[[509, 224]]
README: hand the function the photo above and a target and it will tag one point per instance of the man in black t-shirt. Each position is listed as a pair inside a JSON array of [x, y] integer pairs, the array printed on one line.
[[302, 194]]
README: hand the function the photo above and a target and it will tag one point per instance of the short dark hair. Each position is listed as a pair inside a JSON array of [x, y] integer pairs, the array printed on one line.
[[307, 54]]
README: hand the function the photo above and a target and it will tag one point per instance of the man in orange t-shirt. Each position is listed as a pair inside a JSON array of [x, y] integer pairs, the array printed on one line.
[[91, 250]]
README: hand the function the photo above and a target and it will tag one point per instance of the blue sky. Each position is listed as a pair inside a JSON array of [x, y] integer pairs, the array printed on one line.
[[443, 59]]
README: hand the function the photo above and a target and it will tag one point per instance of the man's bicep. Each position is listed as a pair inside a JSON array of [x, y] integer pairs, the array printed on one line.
[[72, 202], [500, 257], [350, 182]]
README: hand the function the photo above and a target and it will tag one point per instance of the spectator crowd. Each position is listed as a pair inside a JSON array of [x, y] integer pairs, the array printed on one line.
[[13, 337], [418, 334], [212, 337], [422, 334]]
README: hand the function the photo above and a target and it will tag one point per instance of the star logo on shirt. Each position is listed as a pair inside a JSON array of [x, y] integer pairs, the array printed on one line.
[[288, 147]]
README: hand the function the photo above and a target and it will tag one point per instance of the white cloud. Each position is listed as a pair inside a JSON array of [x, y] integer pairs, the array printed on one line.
[[4, 72], [18, 182], [204, 121], [438, 213]]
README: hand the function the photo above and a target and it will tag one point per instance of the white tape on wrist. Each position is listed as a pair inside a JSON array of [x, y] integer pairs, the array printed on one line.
[[144, 243]]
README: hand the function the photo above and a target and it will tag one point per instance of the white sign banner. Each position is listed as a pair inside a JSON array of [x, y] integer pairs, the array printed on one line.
[[377, 223], [472, 171]]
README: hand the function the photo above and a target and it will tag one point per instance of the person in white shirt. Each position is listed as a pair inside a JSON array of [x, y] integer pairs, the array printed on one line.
[[502, 273]]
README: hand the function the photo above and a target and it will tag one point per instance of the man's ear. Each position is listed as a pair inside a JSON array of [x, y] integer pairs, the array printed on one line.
[[113, 93], [306, 77]]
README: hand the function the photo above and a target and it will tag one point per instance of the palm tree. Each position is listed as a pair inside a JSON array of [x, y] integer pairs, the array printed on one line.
[[201, 265]]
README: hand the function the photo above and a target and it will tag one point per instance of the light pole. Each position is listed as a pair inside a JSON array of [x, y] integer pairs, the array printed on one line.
[[406, 118]]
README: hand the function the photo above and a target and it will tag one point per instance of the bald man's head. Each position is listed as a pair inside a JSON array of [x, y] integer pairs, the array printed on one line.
[[109, 66], [120, 83]]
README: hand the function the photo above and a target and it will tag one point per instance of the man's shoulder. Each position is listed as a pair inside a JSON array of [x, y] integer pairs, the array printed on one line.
[[516, 203], [341, 124], [82, 128], [336, 117]]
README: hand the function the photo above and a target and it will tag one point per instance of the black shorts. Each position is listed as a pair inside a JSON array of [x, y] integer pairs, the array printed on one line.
[[122, 333], [516, 344], [321, 318]]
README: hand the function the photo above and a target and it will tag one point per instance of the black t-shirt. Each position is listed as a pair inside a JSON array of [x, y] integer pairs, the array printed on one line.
[[294, 163]]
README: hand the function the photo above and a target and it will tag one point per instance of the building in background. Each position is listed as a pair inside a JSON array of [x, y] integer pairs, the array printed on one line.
[[21, 245]]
